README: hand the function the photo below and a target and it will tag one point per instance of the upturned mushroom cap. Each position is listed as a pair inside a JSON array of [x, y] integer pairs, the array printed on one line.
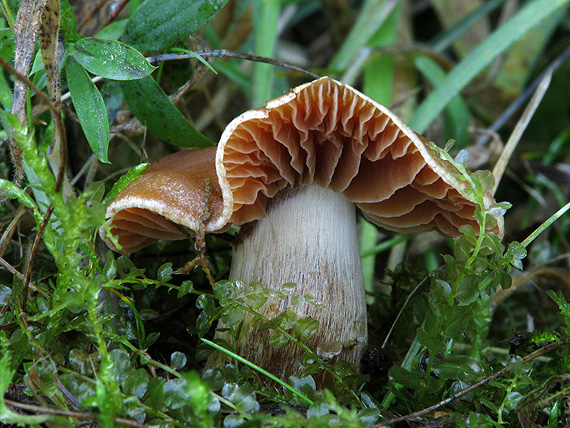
[[324, 133], [327, 133]]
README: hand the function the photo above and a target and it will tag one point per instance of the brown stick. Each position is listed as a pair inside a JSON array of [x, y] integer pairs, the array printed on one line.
[[54, 111], [35, 245], [66, 413], [232, 54], [533, 355]]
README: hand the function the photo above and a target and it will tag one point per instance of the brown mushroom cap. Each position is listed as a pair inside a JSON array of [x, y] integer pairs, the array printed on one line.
[[327, 133], [178, 189], [324, 133]]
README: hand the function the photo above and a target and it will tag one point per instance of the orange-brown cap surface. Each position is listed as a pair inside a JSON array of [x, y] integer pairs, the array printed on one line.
[[323, 133], [178, 189], [329, 134]]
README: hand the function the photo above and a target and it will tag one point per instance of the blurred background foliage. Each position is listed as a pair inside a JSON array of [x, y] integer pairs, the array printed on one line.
[[131, 354]]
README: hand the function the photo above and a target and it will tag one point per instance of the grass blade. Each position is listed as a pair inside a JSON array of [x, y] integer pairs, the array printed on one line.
[[370, 19], [520, 127], [258, 369], [444, 40], [545, 225], [267, 12], [528, 17]]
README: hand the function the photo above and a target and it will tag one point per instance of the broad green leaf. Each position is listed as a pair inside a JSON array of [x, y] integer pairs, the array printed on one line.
[[498, 42], [111, 59], [468, 290], [232, 315], [159, 24], [90, 108], [285, 320], [185, 288], [121, 364], [5, 294], [153, 108]]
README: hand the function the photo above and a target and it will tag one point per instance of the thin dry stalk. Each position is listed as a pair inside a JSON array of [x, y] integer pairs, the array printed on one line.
[[515, 137], [530, 357]]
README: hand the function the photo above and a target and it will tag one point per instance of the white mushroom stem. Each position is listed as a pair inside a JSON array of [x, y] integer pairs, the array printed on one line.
[[309, 237]]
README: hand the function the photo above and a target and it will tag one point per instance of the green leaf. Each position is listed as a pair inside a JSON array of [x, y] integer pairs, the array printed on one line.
[[164, 273], [285, 320], [118, 187], [278, 340], [153, 108], [159, 24], [305, 328], [121, 364], [265, 18], [136, 383], [406, 378], [372, 16], [443, 40], [5, 88], [185, 288], [461, 367], [11, 191], [150, 339], [430, 342], [232, 315], [68, 22], [459, 323], [6, 415], [7, 43], [5, 294], [468, 290], [306, 384], [90, 108], [178, 360], [113, 31], [498, 42], [175, 393], [111, 59]]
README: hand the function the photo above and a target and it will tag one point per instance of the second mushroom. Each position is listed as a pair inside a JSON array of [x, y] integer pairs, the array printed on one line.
[[294, 172]]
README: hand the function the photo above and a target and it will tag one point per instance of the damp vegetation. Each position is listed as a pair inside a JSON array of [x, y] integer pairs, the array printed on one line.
[[467, 331]]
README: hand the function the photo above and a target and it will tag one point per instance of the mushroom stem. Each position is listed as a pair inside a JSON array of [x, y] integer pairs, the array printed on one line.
[[309, 237]]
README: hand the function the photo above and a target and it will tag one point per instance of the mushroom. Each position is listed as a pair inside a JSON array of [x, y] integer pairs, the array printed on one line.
[[293, 173]]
